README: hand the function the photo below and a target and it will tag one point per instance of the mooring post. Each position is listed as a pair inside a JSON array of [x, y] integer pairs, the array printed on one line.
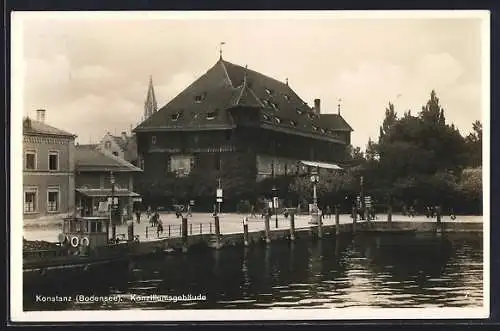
[[184, 227], [320, 225], [266, 221], [146, 232], [337, 220], [217, 232], [245, 231], [389, 215], [292, 226], [439, 229], [354, 217]]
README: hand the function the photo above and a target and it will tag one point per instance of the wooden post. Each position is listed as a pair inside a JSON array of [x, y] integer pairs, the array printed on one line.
[[191, 228], [245, 231], [266, 221], [210, 227], [169, 230], [439, 229], [292, 226], [217, 232], [201, 228], [184, 229], [354, 217], [320, 226], [389, 215], [337, 221], [146, 232]]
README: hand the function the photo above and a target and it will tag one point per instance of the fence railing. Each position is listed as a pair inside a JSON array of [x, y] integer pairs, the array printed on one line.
[[175, 230]]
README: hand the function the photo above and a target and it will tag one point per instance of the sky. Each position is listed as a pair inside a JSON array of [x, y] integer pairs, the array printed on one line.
[[90, 72]]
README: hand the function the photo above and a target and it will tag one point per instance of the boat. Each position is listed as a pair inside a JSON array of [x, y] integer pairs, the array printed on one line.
[[84, 246]]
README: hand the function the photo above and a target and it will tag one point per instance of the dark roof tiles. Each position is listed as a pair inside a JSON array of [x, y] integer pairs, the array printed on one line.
[[31, 126], [90, 158]]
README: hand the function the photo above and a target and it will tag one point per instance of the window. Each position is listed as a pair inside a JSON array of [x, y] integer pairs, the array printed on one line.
[[200, 98], [180, 164], [315, 128], [30, 200], [53, 200], [275, 106], [299, 111], [30, 160], [176, 116], [278, 120], [212, 115], [265, 102], [107, 145], [53, 161], [115, 153], [266, 117], [269, 91], [153, 140], [293, 123], [323, 131], [287, 97], [311, 115], [195, 115]]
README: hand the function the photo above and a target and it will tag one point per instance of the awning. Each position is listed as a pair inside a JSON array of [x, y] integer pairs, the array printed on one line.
[[321, 165], [102, 192]]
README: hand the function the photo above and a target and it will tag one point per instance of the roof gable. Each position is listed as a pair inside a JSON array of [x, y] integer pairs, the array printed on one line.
[[31, 126]]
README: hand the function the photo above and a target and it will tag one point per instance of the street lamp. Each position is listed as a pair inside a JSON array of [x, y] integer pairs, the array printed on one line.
[[361, 197], [275, 202], [113, 225], [315, 181]]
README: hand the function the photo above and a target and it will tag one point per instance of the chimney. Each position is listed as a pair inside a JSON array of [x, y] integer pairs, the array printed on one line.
[[124, 135], [317, 106], [40, 115]]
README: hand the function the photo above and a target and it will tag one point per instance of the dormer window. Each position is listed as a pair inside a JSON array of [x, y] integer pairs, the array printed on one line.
[[323, 131], [275, 106], [153, 140], [176, 116], [311, 115], [212, 115], [266, 117], [293, 123], [287, 97], [265, 102], [299, 111], [269, 91], [315, 128], [195, 115], [200, 98], [278, 120]]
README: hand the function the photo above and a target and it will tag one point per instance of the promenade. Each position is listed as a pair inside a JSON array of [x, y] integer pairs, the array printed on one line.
[[229, 224]]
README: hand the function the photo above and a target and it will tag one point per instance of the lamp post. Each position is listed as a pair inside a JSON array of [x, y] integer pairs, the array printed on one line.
[[314, 181], [113, 225], [275, 200]]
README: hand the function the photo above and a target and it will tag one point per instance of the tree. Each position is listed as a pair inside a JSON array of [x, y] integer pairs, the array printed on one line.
[[474, 145], [390, 119]]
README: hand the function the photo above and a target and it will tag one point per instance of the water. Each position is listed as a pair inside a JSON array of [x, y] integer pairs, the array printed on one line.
[[375, 271]]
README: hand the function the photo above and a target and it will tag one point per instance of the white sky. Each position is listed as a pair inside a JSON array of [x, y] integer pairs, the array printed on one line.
[[91, 72]]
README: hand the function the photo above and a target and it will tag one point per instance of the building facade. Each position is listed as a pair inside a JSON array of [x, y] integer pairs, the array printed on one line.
[[48, 170], [100, 175], [239, 126], [123, 146]]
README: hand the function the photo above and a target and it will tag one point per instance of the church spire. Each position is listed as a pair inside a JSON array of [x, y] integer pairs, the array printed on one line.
[[150, 105]]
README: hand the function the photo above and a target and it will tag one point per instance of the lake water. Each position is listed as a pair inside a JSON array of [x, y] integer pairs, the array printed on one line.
[[371, 271]]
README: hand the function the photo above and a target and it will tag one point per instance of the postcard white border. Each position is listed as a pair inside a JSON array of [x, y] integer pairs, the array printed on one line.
[[17, 74]]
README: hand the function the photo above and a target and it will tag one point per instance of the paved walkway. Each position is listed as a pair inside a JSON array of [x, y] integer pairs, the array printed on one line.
[[229, 223]]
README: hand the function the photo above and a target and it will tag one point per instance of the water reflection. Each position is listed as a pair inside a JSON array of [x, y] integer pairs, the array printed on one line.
[[361, 270]]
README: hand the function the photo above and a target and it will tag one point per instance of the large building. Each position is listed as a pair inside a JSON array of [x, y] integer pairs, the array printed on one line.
[[240, 126], [48, 170], [123, 146]]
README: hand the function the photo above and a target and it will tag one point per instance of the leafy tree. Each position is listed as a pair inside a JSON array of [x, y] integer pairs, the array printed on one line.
[[474, 145]]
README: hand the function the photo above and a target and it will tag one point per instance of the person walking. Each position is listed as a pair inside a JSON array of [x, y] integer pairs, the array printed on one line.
[[138, 215], [252, 211]]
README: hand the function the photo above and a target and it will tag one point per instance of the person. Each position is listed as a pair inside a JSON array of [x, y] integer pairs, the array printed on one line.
[[427, 211], [148, 211], [189, 210], [252, 211], [328, 211], [411, 212], [159, 228], [452, 214], [138, 215]]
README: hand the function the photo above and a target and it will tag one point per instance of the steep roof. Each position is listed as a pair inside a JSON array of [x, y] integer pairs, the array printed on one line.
[[32, 127], [205, 104], [336, 122], [90, 158]]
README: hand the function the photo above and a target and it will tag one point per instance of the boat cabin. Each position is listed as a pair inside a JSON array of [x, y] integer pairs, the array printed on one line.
[[88, 232]]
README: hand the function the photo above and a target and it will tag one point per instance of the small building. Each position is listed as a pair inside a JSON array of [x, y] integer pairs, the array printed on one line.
[[101, 175], [48, 170]]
